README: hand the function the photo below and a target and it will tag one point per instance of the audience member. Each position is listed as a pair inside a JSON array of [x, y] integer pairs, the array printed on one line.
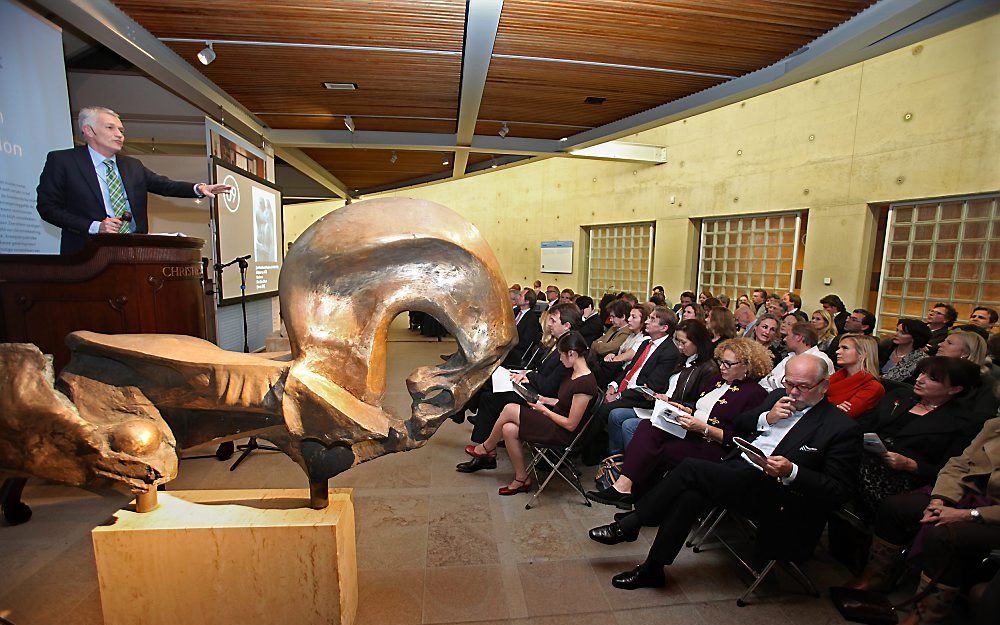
[[745, 320], [657, 300], [758, 299], [684, 299], [721, 323], [529, 330], [537, 287], [708, 426], [550, 420], [855, 387], [787, 323], [835, 306], [724, 300], [812, 450], [776, 307], [658, 290], [826, 329], [703, 296], [744, 299], [629, 297], [965, 345], [691, 311], [898, 356], [940, 318], [983, 317], [612, 363], [551, 296], [567, 296], [801, 340], [766, 333], [592, 326], [920, 428], [613, 338], [794, 304], [654, 361], [860, 321], [545, 380], [694, 369], [602, 307], [982, 403]]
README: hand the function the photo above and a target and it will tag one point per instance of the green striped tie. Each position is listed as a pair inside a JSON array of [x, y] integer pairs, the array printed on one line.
[[117, 194]]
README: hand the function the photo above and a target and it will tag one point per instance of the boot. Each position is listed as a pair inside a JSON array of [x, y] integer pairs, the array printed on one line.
[[935, 606], [883, 563]]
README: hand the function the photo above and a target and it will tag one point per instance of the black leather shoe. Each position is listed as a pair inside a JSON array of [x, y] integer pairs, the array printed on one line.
[[612, 534], [611, 497], [640, 577], [476, 464]]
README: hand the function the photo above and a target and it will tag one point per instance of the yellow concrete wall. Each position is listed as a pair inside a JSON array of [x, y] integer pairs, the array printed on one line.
[[757, 156]]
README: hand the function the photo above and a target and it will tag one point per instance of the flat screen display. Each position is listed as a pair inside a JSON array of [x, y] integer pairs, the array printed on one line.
[[248, 222]]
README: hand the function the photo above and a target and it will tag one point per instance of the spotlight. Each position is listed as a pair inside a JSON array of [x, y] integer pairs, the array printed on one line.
[[349, 122], [493, 161], [207, 54], [504, 130], [445, 161], [393, 158]]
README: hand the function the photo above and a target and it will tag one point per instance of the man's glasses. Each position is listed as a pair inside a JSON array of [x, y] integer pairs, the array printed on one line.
[[800, 387]]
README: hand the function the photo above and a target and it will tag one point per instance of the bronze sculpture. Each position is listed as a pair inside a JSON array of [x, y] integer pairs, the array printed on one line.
[[341, 285]]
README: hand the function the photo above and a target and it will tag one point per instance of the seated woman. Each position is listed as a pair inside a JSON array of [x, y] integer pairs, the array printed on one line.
[[612, 339], [965, 345], [709, 427], [691, 311], [956, 523], [822, 320], [721, 323], [606, 368], [984, 401], [766, 333], [688, 380], [855, 388], [920, 429], [898, 357], [551, 420]]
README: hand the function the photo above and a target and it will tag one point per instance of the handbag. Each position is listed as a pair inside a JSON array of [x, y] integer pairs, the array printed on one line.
[[609, 470]]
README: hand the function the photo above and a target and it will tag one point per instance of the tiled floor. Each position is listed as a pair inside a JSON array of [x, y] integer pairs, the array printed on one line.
[[434, 545]]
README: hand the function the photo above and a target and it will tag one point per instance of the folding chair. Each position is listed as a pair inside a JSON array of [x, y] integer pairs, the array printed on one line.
[[527, 359], [750, 529], [705, 528], [557, 457]]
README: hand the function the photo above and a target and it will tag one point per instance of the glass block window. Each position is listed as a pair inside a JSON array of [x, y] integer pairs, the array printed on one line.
[[620, 258], [940, 251], [739, 254]]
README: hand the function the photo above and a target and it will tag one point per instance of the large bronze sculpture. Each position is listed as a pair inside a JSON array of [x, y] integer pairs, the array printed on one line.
[[134, 398]]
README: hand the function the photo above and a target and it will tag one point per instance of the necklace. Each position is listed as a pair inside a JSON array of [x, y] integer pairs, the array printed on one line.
[[927, 405]]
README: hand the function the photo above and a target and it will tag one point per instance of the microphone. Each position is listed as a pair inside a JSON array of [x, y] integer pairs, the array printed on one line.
[[126, 217]]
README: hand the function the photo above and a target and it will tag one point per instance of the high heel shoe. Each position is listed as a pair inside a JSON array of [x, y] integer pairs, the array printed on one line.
[[490, 453], [525, 486]]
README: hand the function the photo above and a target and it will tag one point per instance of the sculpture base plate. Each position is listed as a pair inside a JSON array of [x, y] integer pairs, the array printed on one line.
[[230, 557]]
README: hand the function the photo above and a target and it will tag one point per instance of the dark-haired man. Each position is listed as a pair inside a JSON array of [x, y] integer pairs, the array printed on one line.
[[940, 318], [758, 298], [592, 327], [794, 303], [860, 321], [686, 299], [984, 317], [812, 458], [529, 330]]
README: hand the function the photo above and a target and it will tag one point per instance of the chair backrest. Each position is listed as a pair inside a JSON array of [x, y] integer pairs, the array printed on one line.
[[595, 405], [529, 355]]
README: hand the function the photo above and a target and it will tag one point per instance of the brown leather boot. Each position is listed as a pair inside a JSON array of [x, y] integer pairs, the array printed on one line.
[[883, 562], [935, 606]]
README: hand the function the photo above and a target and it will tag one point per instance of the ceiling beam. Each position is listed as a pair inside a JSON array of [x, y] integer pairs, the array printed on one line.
[[624, 151], [482, 19], [300, 161]]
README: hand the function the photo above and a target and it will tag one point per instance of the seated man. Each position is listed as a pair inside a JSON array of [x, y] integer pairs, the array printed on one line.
[[529, 330], [801, 339], [545, 380], [813, 456], [592, 327], [654, 361]]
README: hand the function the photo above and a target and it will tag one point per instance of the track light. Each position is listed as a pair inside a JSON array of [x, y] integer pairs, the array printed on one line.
[[349, 122], [503, 130], [445, 161], [493, 162], [393, 158], [207, 54]]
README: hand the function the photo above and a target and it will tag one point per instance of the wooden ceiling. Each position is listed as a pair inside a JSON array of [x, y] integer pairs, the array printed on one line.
[[406, 57]]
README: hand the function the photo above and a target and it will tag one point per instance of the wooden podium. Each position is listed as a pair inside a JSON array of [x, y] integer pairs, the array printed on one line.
[[119, 283]]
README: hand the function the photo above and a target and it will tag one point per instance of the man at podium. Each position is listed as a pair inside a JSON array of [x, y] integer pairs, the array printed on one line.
[[91, 189]]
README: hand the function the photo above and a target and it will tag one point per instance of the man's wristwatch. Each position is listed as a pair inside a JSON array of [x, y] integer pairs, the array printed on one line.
[[974, 513]]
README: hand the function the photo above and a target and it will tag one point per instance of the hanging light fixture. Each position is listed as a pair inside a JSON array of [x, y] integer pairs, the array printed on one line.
[[503, 130], [207, 54]]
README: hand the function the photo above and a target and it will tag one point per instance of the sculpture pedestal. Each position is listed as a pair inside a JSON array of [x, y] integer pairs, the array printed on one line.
[[230, 557]]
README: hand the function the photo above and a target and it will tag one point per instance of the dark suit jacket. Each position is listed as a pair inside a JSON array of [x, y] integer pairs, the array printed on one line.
[[655, 374], [529, 332], [929, 439], [592, 328], [825, 444], [549, 375], [69, 194]]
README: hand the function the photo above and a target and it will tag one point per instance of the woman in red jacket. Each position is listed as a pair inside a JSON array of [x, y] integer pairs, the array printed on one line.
[[855, 388]]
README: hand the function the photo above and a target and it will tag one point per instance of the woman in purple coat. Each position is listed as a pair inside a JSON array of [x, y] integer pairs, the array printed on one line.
[[708, 426]]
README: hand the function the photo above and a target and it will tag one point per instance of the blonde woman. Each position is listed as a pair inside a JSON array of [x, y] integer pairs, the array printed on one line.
[[855, 387], [825, 328], [965, 345]]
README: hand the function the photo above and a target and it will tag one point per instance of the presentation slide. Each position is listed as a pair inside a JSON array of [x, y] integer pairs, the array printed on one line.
[[34, 120], [247, 225]]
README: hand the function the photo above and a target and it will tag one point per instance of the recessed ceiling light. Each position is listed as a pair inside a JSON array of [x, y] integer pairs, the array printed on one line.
[[594, 100], [341, 86], [445, 161]]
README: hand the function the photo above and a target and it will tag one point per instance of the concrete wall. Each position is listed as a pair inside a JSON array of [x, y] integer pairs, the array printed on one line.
[[831, 146]]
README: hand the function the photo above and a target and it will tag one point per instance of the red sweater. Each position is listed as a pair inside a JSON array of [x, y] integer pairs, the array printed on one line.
[[862, 389]]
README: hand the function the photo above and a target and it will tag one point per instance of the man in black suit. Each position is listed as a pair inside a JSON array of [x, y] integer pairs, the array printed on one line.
[[592, 327], [813, 455], [91, 189], [544, 380], [654, 361], [529, 330]]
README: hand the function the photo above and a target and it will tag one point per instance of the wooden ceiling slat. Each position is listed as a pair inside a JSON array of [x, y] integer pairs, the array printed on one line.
[[363, 169], [429, 24], [379, 124]]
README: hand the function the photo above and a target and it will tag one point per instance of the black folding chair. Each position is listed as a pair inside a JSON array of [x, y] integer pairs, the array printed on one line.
[[558, 458]]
